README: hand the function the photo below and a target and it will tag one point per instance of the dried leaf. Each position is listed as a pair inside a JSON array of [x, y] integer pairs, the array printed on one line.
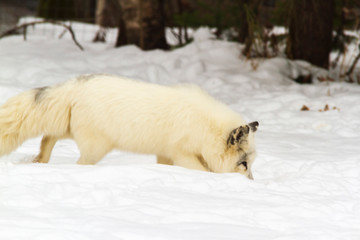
[[305, 108], [326, 108]]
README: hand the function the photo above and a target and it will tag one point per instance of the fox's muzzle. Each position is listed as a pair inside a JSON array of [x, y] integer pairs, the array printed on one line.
[[250, 176]]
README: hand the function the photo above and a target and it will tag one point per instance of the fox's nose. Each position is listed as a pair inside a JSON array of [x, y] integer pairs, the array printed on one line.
[[250, 176]]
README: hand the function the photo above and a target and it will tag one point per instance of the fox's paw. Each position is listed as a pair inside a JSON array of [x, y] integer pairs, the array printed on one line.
[[39, 159]]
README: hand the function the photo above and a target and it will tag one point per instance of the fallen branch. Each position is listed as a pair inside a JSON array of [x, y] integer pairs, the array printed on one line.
[[25, 25], [351, 69]]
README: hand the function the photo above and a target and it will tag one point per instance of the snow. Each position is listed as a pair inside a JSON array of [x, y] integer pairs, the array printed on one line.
[[307, 173]]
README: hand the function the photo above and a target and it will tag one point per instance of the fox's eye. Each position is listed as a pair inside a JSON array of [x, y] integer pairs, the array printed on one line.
[[244, 163]]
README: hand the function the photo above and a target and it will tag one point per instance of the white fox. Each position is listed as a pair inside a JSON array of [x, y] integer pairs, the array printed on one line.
[[182, 125]]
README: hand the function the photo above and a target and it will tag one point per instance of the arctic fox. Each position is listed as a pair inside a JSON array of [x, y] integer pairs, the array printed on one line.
[[182, 125]]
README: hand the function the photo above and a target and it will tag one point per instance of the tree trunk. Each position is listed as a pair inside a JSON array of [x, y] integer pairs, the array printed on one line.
[[121, 39], [244, 25], [310, 31], [107, 13], [152, 25], [144, 23], [129, 26]]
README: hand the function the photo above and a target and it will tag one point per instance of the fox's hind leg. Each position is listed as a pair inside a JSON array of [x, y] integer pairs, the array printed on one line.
[[47, 145]]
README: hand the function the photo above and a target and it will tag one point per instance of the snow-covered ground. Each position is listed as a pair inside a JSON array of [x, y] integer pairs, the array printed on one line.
[[307, 173]]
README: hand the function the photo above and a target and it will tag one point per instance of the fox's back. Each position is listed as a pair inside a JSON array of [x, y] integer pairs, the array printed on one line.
[[150, 115]]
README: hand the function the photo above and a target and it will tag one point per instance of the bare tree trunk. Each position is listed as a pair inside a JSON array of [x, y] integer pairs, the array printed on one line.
[[107, 13], [152, 25], [180, 38], [143, 21], [139, 22], [244, 25], [129, 27], [121, 39], [310, 31]]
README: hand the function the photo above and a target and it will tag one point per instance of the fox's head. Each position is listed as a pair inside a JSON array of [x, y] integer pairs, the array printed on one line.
[[240, 151]]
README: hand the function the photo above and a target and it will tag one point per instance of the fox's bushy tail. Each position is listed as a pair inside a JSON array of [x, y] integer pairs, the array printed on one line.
[[32, 113]]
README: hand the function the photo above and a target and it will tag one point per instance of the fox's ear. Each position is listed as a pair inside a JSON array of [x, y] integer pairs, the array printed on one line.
[[254, 126], [238, 135]]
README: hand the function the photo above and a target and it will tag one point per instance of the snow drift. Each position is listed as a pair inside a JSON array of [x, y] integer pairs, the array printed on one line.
[[307, 173]]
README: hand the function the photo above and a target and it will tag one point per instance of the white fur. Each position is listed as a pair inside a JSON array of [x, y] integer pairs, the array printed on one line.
[[182, 125]]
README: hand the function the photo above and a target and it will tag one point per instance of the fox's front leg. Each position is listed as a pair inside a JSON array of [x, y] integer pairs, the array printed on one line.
[[164, 160], [189, 161]]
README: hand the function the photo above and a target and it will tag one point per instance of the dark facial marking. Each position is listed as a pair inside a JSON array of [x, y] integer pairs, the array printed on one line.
[[231, 139], [203, 162], [238, 135], [243, 160], [40, 92], [253, 126], [244, 163], [243, 131]]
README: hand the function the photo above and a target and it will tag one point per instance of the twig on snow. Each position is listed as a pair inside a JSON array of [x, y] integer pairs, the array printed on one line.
[[25, 25], [351, 69]]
